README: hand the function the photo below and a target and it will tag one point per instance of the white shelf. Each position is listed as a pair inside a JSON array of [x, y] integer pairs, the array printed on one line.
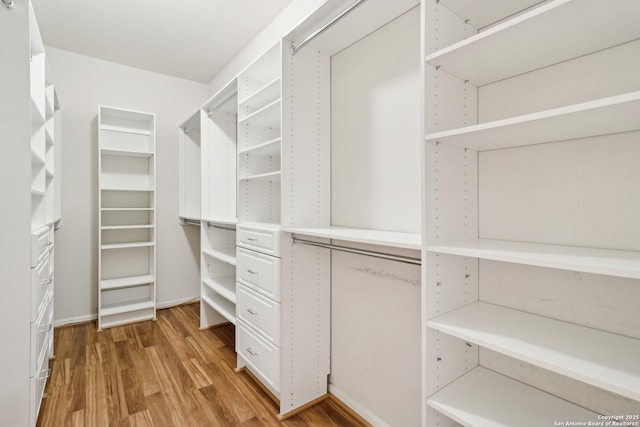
[[267, 116], [37, 115], [572, 28], [110, 310], [222, 306], [127, 189], [269, 148], [266, 94], [123, 129], [600, 117], [592, 356], [126, 245], [126, 153], [125, 282], [38, 193], [225, 286], [127, 209], [361, 235], [36, 158], [227, 255], [126, 227], [485, 398], [269, 176], [587, 260]]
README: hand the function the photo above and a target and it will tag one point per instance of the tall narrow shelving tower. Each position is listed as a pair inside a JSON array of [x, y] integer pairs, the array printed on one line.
[[126, 217]]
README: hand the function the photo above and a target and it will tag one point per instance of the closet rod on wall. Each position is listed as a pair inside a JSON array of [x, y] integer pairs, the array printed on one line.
[[295, 48], [399, 258], [221, 227]]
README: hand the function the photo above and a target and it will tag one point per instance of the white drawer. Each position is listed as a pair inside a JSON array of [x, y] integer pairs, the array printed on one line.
[[37, 385], [262, 357], [41, 242], [259, 312], [40, 331], [259, 272], [41, 283], [259, 238]]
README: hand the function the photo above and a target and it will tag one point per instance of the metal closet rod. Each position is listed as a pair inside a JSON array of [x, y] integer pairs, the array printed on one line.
[[295, 48], [399, 258], [221, 227]]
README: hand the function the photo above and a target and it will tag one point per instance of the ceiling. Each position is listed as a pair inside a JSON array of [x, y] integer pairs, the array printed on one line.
[[191, 39]]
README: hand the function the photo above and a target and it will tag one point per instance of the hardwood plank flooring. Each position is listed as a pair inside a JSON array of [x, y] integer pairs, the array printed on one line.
[[166, 373]]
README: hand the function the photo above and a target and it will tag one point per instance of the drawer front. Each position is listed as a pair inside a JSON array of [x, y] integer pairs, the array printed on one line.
[[41, 242], [40, 331], [38, 383], [262, 240], [259, 272], [259, 312], [41, 283], [263, 358]]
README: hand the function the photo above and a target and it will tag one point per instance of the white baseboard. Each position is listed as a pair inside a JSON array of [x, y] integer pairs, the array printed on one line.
[[94, 316], [356, 407], [72, 320]]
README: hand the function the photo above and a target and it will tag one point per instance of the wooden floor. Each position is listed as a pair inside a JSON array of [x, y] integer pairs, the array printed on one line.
[[163, 373]]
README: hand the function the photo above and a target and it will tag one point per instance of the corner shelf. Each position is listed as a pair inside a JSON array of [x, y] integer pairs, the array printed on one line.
[[360, 235], [484, 398], [517, 45], [587, 356], [597, 261], [604, 116]]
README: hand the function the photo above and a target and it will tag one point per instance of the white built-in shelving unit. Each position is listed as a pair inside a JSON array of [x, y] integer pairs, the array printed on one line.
[[218, 118], [531, 243], [30, 163], [127, 201]]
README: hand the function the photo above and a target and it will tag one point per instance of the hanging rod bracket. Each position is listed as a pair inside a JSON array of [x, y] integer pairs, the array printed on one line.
[[8, 4]]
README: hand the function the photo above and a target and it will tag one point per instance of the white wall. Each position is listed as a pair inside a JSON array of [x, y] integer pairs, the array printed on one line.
[[83, 83], [281, 25]]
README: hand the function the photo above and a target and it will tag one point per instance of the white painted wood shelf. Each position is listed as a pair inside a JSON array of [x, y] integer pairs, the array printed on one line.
[[222, 306], [595, 357], [126, 153], [221, 221], [126, 282], [126, 227], [268, 176], [126, 209], [518, 45], [360, 235], [227, 255], [126, 245], [124, 129], [269, 148], [267, 116], [263, 96], [111, 310], [224, 286], [131, 189], [588, 260], [488, 399], [605, 116]]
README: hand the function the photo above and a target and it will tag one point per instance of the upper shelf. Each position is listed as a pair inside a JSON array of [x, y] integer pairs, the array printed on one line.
[[485, 398], [604, 116], [126, 153], [549, 34], [360, 235], [268, 116], [269, 148], [602, 359], [263, 96], [588, 260], [123, 129]]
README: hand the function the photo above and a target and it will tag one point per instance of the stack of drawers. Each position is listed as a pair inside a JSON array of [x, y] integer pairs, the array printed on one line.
[[258, 309], [41, 314]]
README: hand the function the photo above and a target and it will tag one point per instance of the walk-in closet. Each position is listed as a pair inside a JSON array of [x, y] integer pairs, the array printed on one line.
[[323, 213]]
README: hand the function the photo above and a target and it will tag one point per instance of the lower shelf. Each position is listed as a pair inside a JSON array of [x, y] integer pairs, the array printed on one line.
[[125, 282], [485, 398], [226, 308], [225, 286], [126, 308]]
